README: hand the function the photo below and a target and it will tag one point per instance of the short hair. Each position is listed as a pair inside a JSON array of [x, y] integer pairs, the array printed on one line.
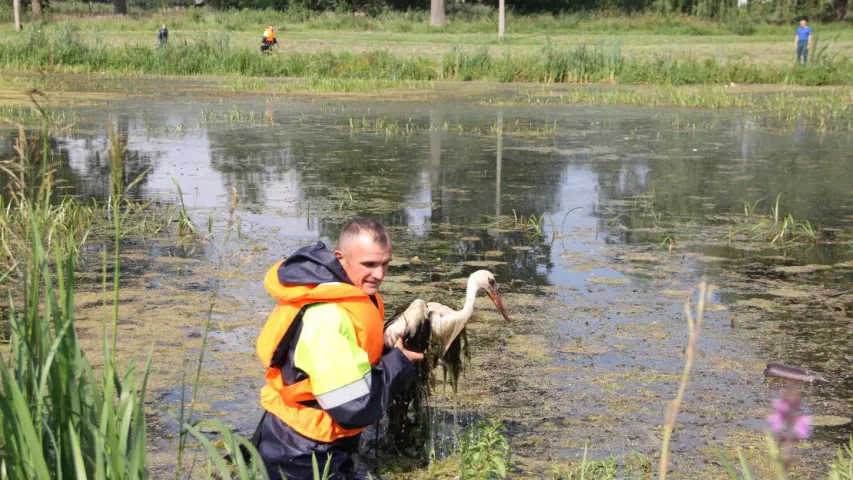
[[365, 226], [804, 19]]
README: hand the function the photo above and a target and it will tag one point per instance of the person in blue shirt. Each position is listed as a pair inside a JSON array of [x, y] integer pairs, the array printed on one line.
[[803, 41]]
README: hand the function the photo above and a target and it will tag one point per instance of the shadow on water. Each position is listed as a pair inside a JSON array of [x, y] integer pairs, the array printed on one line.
[[598, 290]]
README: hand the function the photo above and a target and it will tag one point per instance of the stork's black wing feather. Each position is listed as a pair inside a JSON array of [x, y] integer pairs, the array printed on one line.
[[420, 340]]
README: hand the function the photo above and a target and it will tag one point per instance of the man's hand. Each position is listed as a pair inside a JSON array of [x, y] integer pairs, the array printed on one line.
[[412, 356]]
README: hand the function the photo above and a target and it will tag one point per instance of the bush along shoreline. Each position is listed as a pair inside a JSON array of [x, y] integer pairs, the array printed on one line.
[[213, 54]]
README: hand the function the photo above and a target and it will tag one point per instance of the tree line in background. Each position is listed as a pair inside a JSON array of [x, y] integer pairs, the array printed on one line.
[[775, 11]]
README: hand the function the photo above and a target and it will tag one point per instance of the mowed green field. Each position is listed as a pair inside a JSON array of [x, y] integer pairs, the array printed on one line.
[[643, 37]]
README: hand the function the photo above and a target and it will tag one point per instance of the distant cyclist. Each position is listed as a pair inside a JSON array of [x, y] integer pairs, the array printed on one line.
[[268, 39]]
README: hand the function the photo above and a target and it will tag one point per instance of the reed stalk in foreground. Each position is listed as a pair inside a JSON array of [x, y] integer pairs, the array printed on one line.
[[694, 326], [59, 420]]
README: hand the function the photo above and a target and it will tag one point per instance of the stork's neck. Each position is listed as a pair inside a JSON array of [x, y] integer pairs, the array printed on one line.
[[470, 297]]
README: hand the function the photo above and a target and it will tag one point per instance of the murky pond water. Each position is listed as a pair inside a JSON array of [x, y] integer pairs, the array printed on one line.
[[597, 221]]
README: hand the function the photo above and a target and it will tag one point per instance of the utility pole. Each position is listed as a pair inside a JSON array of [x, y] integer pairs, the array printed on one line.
[[501, 18], [16, 7]]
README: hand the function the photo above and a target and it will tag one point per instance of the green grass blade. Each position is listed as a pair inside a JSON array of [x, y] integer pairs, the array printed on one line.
[[77, 453], [15, 409], [212, 452]]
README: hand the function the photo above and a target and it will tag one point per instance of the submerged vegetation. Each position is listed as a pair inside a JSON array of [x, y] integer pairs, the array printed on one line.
[[774, 228], [517, 128], [62, 50], [825, 110], [62, 414]]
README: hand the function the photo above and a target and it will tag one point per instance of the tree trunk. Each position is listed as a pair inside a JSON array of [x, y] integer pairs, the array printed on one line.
[[501, 18], [840, 10], [36, 9], [120, 6], [436, 13], [16, 7]]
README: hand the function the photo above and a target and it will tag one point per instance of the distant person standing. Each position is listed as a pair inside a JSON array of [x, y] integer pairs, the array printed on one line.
[[163, 36], [803, 41], [268, 40]]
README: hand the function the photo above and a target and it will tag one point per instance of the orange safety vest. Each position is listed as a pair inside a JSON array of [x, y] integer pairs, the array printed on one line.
[[282, 400], [269, 36]]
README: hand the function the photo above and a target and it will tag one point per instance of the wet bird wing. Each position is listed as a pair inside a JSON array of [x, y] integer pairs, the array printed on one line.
[[446, 324], [405, 323]]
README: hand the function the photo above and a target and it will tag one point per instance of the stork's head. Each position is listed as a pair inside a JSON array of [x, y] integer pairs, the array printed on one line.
[[484, 280]]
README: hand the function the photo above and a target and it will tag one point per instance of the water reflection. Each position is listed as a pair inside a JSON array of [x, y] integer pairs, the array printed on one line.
[[301, 156], [307, 172], [82, 162]]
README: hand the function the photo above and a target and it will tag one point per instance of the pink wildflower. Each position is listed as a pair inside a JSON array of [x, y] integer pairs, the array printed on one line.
[[781, 406], [777, 423], [789, 424], [802, 427]]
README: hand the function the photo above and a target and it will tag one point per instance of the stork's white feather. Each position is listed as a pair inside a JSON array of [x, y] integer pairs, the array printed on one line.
[[446, 323], [406, 323]]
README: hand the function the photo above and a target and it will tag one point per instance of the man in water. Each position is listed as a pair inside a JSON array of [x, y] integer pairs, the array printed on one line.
[[268, 40], [163, 36], [322, 347], [803, 41]]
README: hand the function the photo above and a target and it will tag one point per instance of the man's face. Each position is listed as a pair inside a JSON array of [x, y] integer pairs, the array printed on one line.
[[365, 262], [803, 23]]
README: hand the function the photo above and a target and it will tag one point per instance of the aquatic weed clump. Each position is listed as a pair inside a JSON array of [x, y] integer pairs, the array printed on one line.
[[827, 111]]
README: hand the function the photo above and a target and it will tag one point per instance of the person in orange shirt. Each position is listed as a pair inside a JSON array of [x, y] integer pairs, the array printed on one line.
[[328, 373], [268, 40]]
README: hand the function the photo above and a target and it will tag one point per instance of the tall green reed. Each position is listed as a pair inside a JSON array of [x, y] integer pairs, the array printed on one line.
[[60, 417], [67, 223]]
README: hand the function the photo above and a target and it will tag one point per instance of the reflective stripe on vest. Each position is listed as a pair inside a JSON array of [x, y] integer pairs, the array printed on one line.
[[284, 401]]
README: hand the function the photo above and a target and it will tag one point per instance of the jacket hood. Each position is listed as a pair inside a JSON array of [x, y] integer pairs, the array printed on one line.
[[312, 265], [311, 273]]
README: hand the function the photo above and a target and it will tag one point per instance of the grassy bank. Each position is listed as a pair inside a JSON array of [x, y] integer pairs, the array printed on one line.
[[461, 19], [408, 34], [63, 50]]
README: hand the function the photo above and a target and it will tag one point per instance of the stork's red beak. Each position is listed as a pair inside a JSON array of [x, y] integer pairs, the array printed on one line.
[[498, 300]]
